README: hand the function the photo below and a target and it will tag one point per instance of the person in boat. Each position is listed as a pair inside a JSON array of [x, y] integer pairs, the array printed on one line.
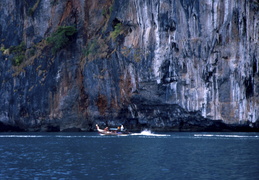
[[106, 129], [120, 128]]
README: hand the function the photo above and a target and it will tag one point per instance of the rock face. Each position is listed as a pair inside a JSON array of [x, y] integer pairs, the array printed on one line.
[[170, 65]]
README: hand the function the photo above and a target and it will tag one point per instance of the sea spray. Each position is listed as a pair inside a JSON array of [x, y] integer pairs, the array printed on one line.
[[147, 132]]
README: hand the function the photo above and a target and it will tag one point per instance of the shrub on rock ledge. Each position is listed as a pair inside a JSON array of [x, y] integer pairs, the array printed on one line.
[[61, 37]]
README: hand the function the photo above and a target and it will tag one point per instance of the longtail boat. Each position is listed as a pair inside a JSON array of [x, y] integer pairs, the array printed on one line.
[[112, 131]]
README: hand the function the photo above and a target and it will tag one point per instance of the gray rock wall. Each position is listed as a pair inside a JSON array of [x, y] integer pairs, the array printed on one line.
[[204, 54]]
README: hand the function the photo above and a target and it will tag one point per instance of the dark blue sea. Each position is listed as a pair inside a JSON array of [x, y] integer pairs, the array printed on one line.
[[219, 156]]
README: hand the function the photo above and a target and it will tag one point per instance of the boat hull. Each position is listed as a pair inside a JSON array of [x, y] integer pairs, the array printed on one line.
[[114, 133]]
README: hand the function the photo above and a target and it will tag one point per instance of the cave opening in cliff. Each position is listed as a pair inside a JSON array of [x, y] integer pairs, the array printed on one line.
[[115, 22]]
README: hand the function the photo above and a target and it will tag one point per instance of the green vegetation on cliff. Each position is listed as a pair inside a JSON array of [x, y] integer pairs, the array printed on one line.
[[19, 53], [118, 29], [61, 37]]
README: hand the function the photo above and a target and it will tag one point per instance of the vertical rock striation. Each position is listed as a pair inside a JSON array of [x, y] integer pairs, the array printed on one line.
[[169, 65]]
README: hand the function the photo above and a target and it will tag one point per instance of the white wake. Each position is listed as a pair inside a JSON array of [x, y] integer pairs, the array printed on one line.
[[224, 136], [148, 133]]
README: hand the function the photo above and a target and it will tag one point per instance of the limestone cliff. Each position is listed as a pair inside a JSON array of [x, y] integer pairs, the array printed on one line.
[[169, 65]]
